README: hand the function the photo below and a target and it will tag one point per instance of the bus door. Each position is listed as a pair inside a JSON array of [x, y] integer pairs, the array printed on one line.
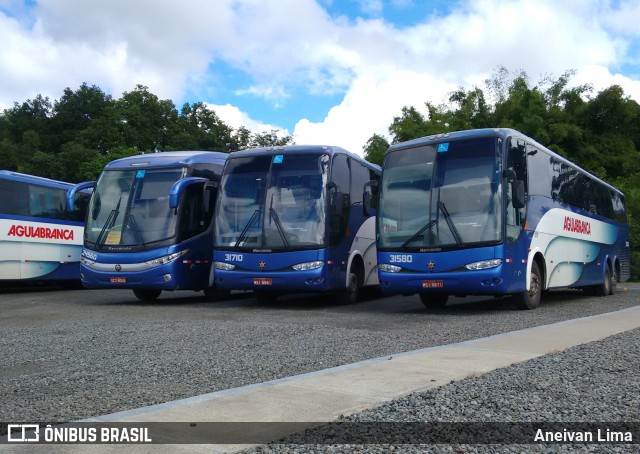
[[515, 196]]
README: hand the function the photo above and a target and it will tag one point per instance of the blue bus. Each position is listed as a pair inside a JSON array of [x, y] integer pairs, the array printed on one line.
[[493, 212], [40, 239], [149, 224], [292, 220]]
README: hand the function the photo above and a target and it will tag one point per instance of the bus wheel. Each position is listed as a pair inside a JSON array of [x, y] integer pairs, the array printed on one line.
[[434, 300], [213, 294], [606, 287], [349, 295], [614, 283], [146, 294], [528, 300], [266, 297]]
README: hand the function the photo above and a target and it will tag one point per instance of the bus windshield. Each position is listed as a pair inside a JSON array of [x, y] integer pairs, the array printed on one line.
[[130, 208], [273, 202], [441, 195]]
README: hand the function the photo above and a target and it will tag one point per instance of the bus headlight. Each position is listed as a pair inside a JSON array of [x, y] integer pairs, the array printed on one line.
[[87, 262], [308, 266], [389, 268], [223, 266], [167, 258], [484, 264]]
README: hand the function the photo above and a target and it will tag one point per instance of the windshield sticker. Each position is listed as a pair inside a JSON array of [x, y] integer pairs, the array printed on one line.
[[277, 159], [113, 237], [140, 174], [443, 147]]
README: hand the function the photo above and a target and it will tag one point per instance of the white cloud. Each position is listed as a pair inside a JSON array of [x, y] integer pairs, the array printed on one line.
[[290, 46], [600, 78], [234, 117], [368, 108]]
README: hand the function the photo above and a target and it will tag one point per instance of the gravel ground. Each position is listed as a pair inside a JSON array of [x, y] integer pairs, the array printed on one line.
[[70, 355], [590, 383]]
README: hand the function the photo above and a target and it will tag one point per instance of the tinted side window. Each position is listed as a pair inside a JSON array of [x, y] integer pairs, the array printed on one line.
[[14, 198], [516, 161], [46, 202], [538, 163], [339, 197], [360, 176], [195, 219]]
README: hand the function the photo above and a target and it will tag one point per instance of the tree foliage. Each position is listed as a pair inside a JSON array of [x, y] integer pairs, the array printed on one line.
[[600, 133], [74, 137]]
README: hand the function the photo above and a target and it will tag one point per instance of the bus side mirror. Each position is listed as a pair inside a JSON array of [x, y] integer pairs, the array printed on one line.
[[517, 188], [517, 194], [210, 188], [179, 187], [71, 194], [370, 198]]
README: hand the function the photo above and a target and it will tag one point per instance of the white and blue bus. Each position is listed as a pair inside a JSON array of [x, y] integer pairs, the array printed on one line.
[[149, 224], [493, 212], [40, 239], [292, 220]]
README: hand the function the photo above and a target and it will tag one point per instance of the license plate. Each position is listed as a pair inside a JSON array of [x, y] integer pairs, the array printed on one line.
[[118, 280], [432, 284], [262, 281]]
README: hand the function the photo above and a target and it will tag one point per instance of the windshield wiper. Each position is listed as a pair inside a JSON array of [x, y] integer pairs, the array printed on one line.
[[243, 234], [108, 223], [452, 226], [276, 219], [416, 235], [132, 224]]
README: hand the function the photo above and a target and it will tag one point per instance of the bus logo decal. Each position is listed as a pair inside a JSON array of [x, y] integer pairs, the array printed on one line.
[[577, 226], [117, 267], [431, 265], [40, 232], [262, 265]]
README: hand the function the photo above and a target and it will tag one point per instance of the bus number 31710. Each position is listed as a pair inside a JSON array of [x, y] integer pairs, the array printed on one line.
[[233, 257]]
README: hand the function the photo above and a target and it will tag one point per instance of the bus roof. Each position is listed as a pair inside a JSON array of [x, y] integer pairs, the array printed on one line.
[[504, 133], [168, 159], [288, 149], [24, 178]]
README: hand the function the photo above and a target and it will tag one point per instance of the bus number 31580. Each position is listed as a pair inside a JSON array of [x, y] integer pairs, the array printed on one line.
[[401, 258]]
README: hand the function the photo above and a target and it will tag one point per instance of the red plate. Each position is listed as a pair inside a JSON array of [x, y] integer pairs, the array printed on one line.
[[118, 280], [262, 281], [432, 284]]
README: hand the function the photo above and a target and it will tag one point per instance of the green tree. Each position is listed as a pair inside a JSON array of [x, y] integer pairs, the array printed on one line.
[[74, 112], [200, 128], [376, 149], [144, 122]]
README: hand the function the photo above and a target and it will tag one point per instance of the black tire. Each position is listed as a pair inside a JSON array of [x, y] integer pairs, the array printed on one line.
[[530, 299], [349, 295], [605, 288], [213, 294], [266, 297], [614, 283], [146, 294], [434, 300]]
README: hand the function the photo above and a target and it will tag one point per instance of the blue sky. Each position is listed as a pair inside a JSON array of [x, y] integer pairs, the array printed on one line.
[[327, 71]]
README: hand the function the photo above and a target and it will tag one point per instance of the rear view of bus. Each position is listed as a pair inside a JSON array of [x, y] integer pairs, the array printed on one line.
[[291, 220], [149, 224], [492, 212], [40, 239]]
